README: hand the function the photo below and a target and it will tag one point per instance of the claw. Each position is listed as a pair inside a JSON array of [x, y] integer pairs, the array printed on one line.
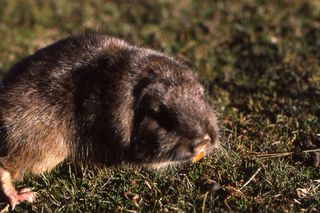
[[24, 195], [13, 202], [11, 193]]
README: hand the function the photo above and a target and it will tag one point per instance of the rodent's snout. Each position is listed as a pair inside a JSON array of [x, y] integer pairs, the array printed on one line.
[[205, 139], [201, 148]]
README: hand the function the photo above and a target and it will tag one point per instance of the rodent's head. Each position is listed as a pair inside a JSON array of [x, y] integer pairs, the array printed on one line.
[[173, 121]]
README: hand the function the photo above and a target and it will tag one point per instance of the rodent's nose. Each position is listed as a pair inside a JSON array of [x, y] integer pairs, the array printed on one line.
[[200, 141], [207, 137], [200, 144], [200, 148]]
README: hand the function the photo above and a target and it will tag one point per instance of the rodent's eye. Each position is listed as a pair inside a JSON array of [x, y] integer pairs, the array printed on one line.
[[154, 109], [150, 104], [163, 117]]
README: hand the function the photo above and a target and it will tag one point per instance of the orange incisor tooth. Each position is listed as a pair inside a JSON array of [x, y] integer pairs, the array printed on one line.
[[199, 156]]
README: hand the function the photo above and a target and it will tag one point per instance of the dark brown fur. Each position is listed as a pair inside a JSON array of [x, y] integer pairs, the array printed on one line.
[[96, 99]]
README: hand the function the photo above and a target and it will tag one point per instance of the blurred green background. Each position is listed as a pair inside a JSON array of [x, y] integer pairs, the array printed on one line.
[[259, 60]]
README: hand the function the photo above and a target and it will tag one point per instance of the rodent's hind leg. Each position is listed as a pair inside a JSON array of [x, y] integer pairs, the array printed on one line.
[[14, 197]]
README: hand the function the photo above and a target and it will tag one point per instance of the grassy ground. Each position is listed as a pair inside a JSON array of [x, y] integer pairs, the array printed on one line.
[[260, 61]]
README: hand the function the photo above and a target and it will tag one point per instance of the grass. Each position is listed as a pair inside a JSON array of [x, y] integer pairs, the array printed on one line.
[[260, 62]]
